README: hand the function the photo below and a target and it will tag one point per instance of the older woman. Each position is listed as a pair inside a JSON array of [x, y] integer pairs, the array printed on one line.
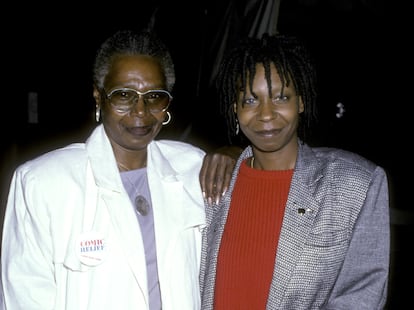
[[115, 222]]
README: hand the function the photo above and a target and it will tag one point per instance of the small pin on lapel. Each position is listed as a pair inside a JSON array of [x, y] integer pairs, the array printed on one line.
[[302, 211]]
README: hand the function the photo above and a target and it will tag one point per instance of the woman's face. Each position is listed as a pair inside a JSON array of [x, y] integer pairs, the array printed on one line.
[[270, 123], [136, 128]]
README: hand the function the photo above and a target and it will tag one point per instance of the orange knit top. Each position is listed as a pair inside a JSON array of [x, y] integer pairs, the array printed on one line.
[[248, 248]]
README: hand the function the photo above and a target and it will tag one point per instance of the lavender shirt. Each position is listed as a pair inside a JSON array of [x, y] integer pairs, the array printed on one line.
[[136, 183]]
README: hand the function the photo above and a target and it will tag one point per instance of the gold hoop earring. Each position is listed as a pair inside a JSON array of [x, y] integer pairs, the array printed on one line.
[[168, 119], [98, 114]]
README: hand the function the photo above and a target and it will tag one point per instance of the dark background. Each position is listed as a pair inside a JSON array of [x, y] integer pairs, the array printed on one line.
[[49, 50]]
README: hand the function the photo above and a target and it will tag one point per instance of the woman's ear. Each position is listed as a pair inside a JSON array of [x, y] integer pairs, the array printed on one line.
[[235, 107], [301, 105], [97, 96]]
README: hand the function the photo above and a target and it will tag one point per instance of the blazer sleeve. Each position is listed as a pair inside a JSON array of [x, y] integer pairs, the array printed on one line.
[[363, 280], [26, 270]]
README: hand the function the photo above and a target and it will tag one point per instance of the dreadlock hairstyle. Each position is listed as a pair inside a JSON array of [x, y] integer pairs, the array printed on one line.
[[127, 42], [292, 61]]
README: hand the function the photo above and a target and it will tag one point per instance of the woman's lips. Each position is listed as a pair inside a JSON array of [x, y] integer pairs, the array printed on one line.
[[268, 133], [139, 131]]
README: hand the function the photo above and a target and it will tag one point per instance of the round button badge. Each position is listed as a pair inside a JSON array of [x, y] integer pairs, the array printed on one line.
[[91, 248]]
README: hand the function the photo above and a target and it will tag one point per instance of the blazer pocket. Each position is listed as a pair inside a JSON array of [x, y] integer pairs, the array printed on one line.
[[324, 252], [327, 239]]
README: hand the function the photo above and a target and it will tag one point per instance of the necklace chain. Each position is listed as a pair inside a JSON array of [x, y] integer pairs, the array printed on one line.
[[125, 168], [122, 167], [252, 162], [141, 204]]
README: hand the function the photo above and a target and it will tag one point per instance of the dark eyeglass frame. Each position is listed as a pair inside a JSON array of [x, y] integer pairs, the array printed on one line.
[[129, 103]]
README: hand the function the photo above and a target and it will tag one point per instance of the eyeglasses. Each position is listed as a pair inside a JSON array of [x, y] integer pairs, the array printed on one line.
[[123, 99]]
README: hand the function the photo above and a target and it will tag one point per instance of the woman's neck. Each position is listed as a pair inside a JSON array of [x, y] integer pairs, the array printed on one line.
[[130, 159]]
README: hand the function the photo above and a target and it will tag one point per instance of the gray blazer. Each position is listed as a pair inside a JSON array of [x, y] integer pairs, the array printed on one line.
[[334, 246]]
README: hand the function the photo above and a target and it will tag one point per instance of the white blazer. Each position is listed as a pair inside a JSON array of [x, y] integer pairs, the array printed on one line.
[[71, 239]]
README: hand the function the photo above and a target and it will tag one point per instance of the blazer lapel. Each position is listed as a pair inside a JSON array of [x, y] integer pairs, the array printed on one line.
[[126, 228], [112, 194], [301, 210]]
